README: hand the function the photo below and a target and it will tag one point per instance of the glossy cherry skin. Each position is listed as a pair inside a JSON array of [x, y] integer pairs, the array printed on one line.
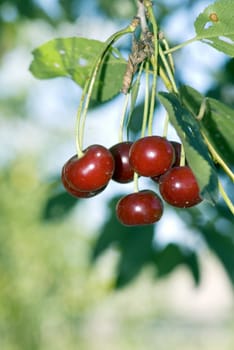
[[77, 193], [177, 150], [92, 171], [179, 187], [123, 171], [139, 208], [151, 156]]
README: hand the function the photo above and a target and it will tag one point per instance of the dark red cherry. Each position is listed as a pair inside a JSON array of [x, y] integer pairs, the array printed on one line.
[[123, 171], [77, 193], [151, 156], [92, 171], [139, 208], [177, 148], [179, 187]]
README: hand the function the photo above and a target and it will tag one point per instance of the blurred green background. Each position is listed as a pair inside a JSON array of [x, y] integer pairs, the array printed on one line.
[[60, 287]]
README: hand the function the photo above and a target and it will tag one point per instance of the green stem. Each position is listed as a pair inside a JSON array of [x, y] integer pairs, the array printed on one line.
[[217, 157], [123, 117], [83, 107], [180, 46], [182, 156], [165, 126], [78, 120], [135, 181], [167, 47], [165, 79], [134, 93], [154, 61], [146, 101], [168, 70], [226, 198]]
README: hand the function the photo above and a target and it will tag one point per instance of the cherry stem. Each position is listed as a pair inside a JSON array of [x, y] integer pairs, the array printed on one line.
[[166, 45], [123, 117], [202, 109], [78, 119], [134, 95], [136, 182], [226, 198], [165, 126], [154, 61], [84, 103], [168, 69], [218, 158], [146, 101], [182, 156], [165, 79]]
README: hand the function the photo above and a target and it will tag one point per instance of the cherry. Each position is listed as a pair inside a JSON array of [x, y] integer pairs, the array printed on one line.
[[151, 156], [77, 193], [139, 208], [179, 187], [92, 171], [123, 171], [177, 148]]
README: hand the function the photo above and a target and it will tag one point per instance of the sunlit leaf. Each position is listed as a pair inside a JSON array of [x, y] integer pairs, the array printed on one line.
[[74, 58], [218, 122], [215, 26], [196, 151]]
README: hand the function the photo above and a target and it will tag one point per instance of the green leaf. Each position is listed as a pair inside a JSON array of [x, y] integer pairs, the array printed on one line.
[[219, 126], [58, 205], [223, 246], [135, 245], [118, 8], [137, 250], [172, 256], [218, 122], [217, 230], [196, 151], [215, 26], [74, 58], [136, 253]]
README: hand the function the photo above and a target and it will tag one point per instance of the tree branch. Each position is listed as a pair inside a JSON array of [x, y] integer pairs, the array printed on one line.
[[141, 15]]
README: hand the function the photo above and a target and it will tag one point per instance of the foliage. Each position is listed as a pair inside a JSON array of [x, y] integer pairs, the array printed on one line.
[[213, 26], [51, 295], [74, 58], [204, 126], [45, 278], [136, 251], [195, 149]]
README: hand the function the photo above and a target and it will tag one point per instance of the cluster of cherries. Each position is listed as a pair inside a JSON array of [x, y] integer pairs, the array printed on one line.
[[150, 156]]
